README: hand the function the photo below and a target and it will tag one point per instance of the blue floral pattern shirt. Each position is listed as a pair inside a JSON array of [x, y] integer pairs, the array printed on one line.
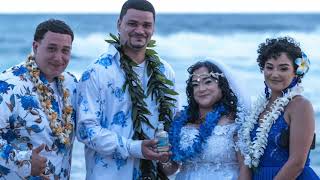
[[104, 118], [24, 126]]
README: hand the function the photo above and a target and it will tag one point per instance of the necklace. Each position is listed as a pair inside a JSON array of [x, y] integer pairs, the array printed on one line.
[[158, 86], [253, 150], [205, 131], [61, 128]]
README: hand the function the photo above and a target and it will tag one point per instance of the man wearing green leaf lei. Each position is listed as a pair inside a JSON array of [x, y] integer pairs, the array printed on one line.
[[122, 97]]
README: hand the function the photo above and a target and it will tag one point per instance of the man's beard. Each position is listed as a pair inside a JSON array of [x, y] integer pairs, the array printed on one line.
[[136, 46], [137, 37]]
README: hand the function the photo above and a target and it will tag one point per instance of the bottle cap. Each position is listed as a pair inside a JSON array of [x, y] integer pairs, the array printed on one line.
[[160, 125]]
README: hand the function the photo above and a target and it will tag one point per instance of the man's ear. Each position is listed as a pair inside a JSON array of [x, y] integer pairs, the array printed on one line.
[[35, 46]]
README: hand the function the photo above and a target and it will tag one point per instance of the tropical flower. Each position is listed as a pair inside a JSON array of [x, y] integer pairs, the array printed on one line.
[[5, 151], [118, 93], [85, 76], [85, 132], [105, 60], [303, 64], [5, 87], [17, 71], [120, 119], [29, 102]]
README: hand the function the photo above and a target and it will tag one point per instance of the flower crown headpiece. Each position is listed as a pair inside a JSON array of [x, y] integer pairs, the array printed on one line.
[[303, 64], [212, 74]]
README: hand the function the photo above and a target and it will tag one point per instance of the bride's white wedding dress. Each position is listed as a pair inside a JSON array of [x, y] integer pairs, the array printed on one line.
[[218, 159]]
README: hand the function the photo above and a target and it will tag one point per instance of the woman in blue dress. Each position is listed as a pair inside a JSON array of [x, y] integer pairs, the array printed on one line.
[[276, 138]]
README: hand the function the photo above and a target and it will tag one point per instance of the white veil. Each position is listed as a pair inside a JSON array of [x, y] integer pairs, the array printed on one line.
[[244, 102]]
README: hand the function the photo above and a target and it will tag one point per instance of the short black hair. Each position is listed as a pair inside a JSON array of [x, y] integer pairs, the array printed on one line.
[[273, 47], [229, 100], [53, 25], [142, 5]]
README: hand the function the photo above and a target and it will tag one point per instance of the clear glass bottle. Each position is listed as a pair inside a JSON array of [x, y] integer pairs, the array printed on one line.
[[163, 138]]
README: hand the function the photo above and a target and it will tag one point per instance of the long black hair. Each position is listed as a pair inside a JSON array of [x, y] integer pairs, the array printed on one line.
[[229, 99]]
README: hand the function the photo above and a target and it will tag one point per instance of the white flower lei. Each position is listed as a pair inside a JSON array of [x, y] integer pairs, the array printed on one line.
[[253, 150], [61, 128]]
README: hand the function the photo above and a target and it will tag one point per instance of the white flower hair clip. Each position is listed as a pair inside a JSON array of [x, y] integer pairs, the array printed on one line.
[[303, 64]]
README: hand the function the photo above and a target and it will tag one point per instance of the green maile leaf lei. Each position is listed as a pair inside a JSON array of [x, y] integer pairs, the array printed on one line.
[[158, 87]]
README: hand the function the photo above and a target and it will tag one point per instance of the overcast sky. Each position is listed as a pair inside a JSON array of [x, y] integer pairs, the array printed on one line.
[[162, 6]]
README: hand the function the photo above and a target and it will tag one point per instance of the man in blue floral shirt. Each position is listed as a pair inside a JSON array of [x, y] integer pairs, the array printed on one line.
[[121, 98], [36, 108]]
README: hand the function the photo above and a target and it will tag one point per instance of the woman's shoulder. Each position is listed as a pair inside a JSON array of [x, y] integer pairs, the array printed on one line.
[[299, 108], [299, 103]]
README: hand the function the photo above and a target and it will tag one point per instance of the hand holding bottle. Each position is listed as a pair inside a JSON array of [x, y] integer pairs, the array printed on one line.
[[163, 138]]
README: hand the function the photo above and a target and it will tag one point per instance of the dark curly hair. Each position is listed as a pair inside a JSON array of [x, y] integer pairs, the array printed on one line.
[[229, 99], [53, 25], [273, 48]]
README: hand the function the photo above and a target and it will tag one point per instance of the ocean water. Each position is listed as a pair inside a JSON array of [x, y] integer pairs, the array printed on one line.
[[182, 40]]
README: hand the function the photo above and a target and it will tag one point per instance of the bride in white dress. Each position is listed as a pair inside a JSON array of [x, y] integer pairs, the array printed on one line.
[[202, 136]]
